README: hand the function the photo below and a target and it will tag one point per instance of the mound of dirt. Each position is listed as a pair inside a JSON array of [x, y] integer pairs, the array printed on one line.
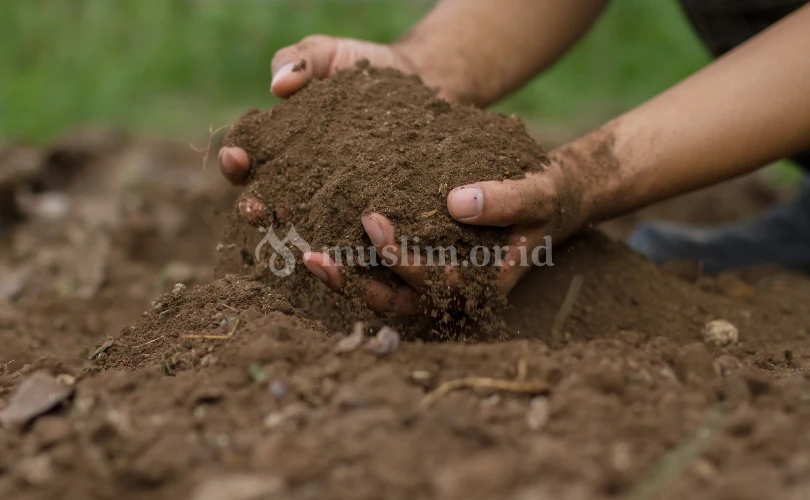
[[186, 326], [627, 402], [374, 140]]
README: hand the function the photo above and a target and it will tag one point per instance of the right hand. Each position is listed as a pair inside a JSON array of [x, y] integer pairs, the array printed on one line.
[[322, 56]]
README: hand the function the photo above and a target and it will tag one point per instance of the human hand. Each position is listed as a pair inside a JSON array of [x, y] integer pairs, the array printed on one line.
[[544, 204], [318, 57]]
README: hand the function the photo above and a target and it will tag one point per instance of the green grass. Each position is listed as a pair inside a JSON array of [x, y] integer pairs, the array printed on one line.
[[174, 67]]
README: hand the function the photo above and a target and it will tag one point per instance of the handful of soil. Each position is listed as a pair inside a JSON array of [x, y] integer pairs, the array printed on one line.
[[375, 140]]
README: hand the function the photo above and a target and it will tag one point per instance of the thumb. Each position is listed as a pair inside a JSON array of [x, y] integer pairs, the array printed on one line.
[[503, 203], [293, 66]]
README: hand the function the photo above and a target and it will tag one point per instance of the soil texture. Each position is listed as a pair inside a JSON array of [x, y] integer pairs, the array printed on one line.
[[128, 371]]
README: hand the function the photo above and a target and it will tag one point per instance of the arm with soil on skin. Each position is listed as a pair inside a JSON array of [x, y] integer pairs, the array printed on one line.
[[747, 109]]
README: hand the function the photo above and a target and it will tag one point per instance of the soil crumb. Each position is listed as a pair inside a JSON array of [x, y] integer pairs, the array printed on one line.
[[375, 140]]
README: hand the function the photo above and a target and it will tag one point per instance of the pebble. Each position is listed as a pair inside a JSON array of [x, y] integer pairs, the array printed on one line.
[[538, 414], [720, 333], [386, 341], [66, 379], [278, 389]]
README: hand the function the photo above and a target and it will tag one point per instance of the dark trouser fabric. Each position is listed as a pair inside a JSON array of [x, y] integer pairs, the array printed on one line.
[[725, 24]]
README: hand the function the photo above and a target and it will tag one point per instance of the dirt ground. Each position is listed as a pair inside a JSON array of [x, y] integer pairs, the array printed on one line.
[[134, 387]]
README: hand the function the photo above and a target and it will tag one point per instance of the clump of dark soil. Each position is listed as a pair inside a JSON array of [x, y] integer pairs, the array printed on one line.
[[374, 140]]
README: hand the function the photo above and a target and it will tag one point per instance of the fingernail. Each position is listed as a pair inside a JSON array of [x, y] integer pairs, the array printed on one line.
[[466, 202], [282, 73], [226, 160], [315, 268], [373, 230], [234, 160]]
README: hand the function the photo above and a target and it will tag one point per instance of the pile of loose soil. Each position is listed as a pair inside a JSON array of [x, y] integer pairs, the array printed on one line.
[[227, 389], [374, 140], [184, 326]]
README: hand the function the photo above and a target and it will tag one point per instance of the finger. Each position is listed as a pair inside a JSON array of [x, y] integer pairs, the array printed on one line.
[[381, 298], [516, 261], [234, 164], [293, 66], [325, 269], [385, 301], [502, 203], [409, 265]]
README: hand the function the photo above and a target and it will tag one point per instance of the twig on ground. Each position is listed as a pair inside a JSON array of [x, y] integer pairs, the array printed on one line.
[[4, 367], [566, 308], [147, 343], [672, 465], [103, 347], [229, 307], [215, 337], [515, 386], [207, 148]]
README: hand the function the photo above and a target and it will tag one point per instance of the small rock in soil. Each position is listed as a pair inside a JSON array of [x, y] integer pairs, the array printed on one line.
[[538, 413], [720, 333], [353, 341], [36, 395], [386, 341]]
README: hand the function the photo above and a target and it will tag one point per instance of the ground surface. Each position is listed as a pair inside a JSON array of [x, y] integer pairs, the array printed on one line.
[[626, 400]]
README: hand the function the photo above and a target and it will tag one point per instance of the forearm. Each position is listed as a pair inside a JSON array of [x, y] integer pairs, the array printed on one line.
[[477, 51], [747, 109]]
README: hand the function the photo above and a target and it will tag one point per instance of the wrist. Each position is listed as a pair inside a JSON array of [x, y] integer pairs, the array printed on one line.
[[567, 212], [593, 171], [414, 57], [449, 72]]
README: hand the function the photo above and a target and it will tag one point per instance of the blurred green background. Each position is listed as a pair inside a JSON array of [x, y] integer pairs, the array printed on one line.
[[174, 67]]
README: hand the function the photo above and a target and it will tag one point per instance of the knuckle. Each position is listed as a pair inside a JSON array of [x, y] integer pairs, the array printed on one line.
[[283, 55], [312, 41]]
